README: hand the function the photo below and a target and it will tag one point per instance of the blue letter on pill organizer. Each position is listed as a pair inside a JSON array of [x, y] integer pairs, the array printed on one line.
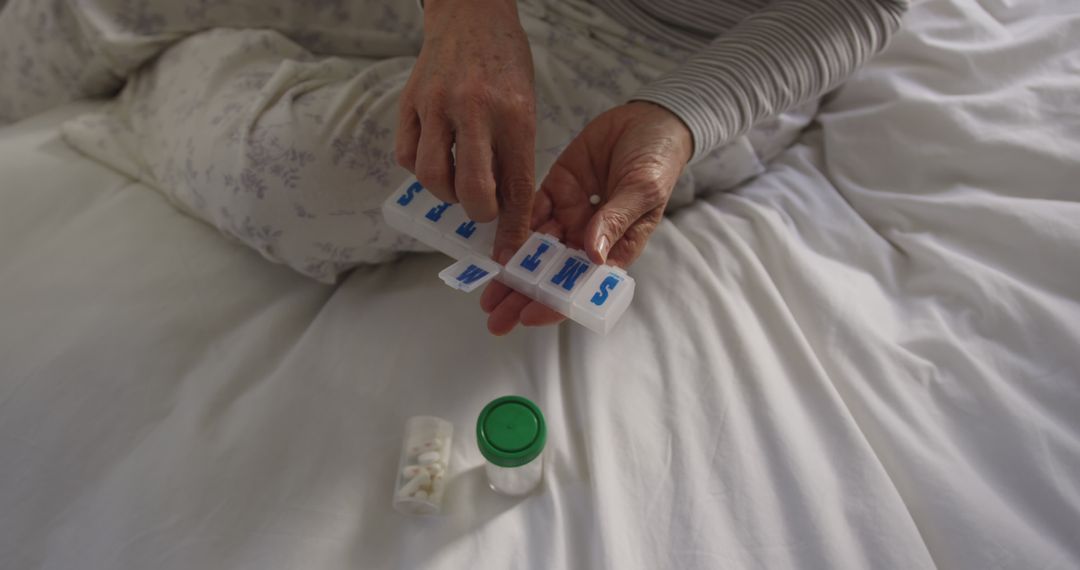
[[435, 213], [466, 229], [608, 284], [531, 262], [410, 193], [573, 268], [471, 273]]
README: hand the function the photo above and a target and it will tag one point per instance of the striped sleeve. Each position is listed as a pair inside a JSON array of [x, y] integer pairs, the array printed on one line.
[[785, 54]]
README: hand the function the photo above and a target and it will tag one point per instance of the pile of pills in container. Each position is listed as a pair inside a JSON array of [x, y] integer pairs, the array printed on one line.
[[510, 433], [422, 470]]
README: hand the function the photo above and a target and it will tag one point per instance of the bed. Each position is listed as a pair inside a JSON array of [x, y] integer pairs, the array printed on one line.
[[865, 358]]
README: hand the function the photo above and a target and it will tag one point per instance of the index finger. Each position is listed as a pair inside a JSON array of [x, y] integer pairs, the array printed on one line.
[[516, 185], [474, 176]]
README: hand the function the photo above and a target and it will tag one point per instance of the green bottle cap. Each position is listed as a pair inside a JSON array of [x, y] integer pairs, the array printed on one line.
[[510, 431]]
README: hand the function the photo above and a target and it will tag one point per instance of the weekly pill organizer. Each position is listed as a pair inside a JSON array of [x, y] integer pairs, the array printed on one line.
[[544, 269]]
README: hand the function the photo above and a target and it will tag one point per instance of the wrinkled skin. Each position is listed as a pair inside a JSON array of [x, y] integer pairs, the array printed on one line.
[[467, 129]]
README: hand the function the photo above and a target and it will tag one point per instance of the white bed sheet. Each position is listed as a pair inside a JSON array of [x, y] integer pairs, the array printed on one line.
[[865, 358]]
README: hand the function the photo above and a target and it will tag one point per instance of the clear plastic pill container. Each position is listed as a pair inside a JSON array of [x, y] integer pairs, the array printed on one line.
[[423, 467], [511, 433]]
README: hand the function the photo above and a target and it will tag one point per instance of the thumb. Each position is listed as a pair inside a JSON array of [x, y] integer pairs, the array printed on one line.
[[607, 226]]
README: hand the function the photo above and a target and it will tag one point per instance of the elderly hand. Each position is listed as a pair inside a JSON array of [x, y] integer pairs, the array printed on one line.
[[471, 90], [631, 156]]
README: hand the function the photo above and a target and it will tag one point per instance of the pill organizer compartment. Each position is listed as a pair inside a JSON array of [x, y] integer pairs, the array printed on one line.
[[404, 207], [439, 217], [438, 221], [603, 299], [525, 269], [423, 466], [418, 227], [564, 277], [475, 236], [470, 273]]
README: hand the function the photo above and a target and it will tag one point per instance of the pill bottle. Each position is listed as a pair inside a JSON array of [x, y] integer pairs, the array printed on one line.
[[511, 433], [423, 466]]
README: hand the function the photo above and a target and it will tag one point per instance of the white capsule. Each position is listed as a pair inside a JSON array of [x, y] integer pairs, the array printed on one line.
[[437, 485], [436, 469], [423, 479], [428, 457], [411, 471], [594, 199]]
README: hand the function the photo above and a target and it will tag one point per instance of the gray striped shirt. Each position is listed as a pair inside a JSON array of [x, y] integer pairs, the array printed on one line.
[[754, 58]]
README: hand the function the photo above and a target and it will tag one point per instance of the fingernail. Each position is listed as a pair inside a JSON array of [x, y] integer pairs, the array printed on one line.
[[602, 246]]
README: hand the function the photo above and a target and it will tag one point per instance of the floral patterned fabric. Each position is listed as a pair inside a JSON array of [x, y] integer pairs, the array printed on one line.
[[274, 121]]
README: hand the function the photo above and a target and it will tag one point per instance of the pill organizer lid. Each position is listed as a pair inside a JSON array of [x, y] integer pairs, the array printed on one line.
[[510, 431]]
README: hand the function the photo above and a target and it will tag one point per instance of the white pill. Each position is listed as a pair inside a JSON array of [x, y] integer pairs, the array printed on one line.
[[437, 485], [411, 471], [436, 469], [421, 480], [421, 494], [428, 457], [594, 199]]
